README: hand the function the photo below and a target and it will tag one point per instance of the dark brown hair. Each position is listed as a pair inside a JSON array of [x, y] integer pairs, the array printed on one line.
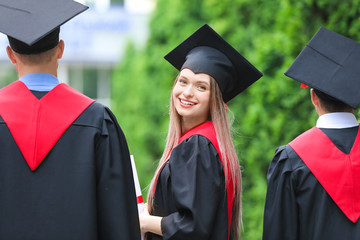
[[331, 104]]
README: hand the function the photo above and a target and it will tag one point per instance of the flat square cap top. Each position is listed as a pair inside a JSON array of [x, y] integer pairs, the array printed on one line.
[[30, 20], [330, 62]]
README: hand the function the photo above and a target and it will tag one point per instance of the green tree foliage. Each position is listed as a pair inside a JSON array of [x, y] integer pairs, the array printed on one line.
[[274, 110], [8, 74]]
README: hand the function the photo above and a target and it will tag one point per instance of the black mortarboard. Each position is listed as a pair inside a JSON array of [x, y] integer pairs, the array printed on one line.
[[205, 51], [32, 25], [330, 63]]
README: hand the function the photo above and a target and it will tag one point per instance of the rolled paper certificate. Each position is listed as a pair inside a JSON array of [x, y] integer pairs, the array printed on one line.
[[139, 198]]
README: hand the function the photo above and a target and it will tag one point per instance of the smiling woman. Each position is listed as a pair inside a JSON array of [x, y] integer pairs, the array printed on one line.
[[191, 96], [196, 190]]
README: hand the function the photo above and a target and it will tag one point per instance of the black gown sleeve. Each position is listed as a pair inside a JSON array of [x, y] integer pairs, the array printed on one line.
[[116, 199], [281, 211], [198, 188]]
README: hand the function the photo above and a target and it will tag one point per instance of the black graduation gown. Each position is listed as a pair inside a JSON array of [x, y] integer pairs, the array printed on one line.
[[190, 193], [297, 206], [82, 190]]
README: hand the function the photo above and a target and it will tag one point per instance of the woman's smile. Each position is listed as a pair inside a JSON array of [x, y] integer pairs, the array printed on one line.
[[186, 103]]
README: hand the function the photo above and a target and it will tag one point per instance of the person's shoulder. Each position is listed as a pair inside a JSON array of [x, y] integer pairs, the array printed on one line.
[[286, 158], [196, 140], [195, 143], [197, 151], [95, 115], [197, 146]]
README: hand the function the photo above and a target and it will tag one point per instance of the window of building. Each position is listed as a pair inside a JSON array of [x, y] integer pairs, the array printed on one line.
[[117, 1], [93, 81]]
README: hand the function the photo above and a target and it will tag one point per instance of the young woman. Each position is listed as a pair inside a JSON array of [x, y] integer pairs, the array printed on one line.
[[196, 190]]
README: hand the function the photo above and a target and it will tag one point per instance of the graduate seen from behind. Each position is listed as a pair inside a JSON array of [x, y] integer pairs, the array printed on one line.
[[196, 191], [65, 169], [314, 181]]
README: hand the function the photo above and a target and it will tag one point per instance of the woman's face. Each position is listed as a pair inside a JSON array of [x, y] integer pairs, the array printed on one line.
[[191, 96]]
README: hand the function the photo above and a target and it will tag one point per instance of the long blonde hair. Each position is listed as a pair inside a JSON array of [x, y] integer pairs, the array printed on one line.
[[218, 115]]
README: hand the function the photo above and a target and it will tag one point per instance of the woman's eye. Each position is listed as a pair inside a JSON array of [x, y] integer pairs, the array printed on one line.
[[181, 81], [203, 88]]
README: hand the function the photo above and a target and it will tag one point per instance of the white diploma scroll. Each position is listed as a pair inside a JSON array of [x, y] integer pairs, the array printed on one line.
[[139, 198]]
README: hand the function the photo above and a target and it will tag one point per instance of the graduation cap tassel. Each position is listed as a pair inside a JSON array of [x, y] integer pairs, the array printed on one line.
[[139, 198], [303, 85]]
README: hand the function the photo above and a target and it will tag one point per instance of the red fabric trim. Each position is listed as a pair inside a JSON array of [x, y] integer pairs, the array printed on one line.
[[139, 199], [207, 130], [303, 85], [36, 125], [337, 172]]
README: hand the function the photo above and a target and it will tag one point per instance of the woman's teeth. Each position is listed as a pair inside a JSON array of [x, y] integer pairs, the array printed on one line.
[[186, 103]]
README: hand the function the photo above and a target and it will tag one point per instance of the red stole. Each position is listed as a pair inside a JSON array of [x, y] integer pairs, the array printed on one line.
[[337, 172], [36, 125], [207, 130]]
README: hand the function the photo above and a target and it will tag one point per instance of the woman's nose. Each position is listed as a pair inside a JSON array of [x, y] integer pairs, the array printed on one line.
[[188, 91]]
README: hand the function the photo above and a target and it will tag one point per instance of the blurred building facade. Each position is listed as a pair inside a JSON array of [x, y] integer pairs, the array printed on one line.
[[95, 43]]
